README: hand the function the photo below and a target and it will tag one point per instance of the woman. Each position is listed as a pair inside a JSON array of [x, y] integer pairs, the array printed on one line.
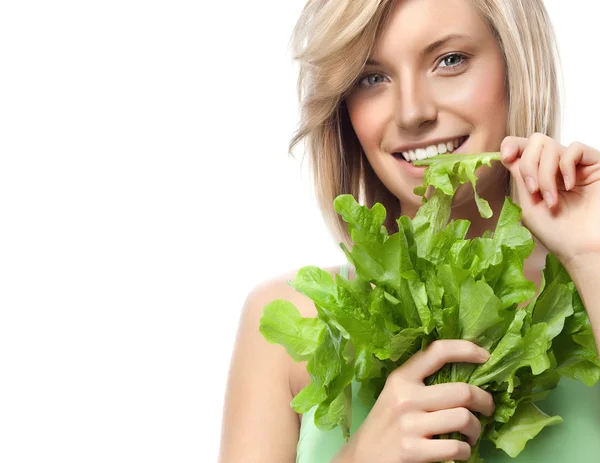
[[385, 82]]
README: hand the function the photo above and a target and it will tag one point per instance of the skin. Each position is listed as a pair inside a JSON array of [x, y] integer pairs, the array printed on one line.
[[455, 90], [416, 99], [413, 97]]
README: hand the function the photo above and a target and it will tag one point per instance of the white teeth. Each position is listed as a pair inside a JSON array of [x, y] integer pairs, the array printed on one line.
[[432, 150]]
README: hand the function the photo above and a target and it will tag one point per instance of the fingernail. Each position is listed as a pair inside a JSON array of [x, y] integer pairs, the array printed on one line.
[[548, 198], [505, 150], [530, 183], [567, 181], [484, 353]]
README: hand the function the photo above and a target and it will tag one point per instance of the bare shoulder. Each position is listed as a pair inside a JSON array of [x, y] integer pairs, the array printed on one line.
[[258, 421], [279, 288]]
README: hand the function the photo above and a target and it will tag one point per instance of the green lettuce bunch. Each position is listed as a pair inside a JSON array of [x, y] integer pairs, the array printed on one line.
[[428, 282]]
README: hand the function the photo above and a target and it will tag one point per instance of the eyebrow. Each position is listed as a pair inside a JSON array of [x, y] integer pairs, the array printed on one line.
[[427, 50]]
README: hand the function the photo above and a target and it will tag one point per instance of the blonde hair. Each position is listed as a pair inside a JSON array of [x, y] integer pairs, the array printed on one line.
[[332, 41]]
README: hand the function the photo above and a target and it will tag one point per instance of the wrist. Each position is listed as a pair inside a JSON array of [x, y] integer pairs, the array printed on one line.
[[583, 267], [345, 455]]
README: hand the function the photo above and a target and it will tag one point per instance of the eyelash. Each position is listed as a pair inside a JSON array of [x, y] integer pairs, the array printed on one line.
[[464, 59]]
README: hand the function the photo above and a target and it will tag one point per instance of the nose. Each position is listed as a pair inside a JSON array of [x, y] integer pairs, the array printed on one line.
[[414, 105]]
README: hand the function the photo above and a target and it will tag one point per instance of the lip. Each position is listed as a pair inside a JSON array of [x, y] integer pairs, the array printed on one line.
[[415, 146], [461, 148]]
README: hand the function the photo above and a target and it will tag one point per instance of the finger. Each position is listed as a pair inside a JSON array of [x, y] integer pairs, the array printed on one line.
[[546, 176], [442, 450], [511, 147], [427, 362], [454, 395], [452, 420], [576, 154], [568, 163], [588, 155], [529, 163]]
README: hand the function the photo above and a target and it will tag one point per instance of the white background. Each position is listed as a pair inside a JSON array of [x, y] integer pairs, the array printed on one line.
[[145, 188]]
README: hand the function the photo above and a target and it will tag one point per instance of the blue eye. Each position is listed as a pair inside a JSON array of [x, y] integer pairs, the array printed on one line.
[[461, 60], [452, 61], [371, 80]]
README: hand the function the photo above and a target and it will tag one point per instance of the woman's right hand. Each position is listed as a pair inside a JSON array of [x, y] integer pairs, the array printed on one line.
[[407, 413]]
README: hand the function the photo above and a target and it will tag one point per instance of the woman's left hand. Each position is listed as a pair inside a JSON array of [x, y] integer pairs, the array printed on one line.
[[558, 189]]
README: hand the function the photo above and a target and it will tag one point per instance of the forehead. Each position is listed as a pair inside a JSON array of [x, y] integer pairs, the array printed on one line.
[[415, 24]]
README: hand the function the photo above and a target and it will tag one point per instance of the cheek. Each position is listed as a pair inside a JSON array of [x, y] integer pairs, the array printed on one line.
[[481, 97], [368, 120], [488, 99]]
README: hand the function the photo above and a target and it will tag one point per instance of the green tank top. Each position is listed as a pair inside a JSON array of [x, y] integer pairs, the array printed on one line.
[[576, 440]]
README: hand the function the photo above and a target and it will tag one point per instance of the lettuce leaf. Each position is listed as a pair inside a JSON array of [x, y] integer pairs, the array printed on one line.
[[428, 282]]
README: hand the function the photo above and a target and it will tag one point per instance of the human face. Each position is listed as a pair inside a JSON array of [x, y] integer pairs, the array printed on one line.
[[420, 89]]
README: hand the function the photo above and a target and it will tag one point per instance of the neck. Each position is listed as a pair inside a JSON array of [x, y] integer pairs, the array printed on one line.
[[495, 196], [466, 209], [535, 263]]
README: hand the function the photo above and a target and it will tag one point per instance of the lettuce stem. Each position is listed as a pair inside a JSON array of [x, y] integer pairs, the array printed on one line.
[[494, 156]]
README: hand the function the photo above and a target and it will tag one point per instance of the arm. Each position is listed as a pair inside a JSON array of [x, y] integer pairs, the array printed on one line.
[[585, 273], [258, 423]]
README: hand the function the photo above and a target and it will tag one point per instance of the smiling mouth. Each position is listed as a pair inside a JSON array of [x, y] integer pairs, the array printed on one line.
[[433, 150]]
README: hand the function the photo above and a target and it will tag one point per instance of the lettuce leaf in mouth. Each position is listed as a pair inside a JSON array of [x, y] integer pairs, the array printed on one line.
[[428, 282]]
